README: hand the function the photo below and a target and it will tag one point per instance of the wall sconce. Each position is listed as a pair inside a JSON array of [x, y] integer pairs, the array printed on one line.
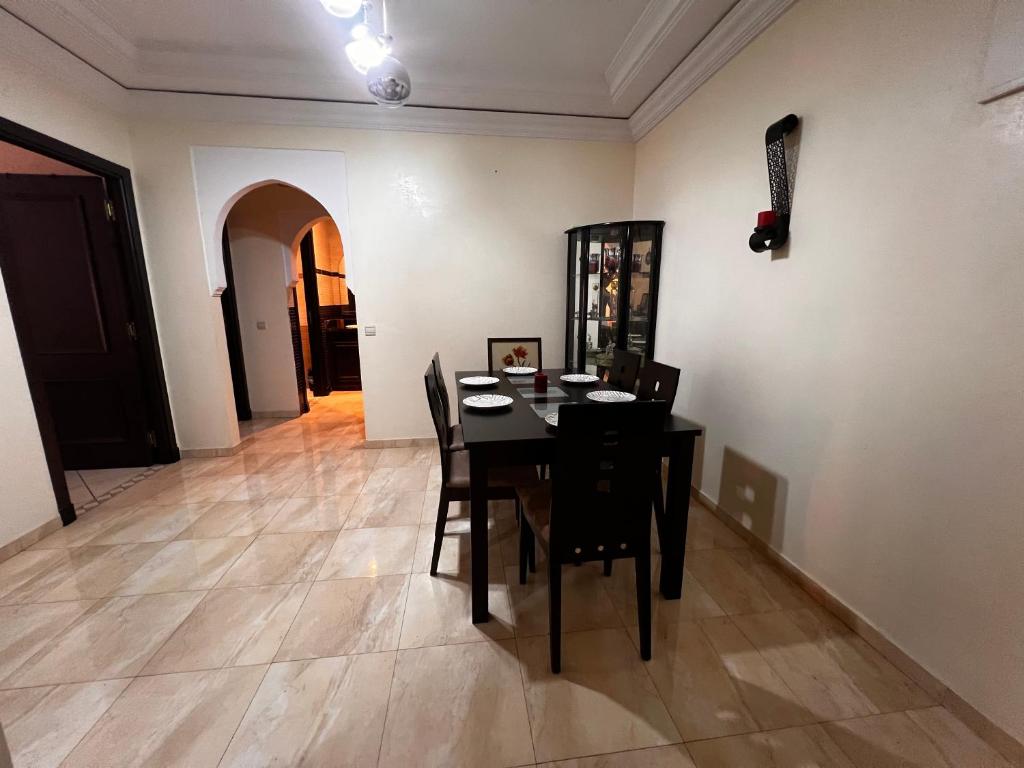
[[772, 230]]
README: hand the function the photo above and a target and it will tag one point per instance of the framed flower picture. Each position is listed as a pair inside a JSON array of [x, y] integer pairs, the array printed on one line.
[[505, 352]]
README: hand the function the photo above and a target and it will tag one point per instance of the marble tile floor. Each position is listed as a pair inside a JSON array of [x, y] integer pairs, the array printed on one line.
[[274, 608], [88, 488]]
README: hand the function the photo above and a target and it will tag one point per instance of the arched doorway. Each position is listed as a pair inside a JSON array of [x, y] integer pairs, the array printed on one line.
[[289, 321]]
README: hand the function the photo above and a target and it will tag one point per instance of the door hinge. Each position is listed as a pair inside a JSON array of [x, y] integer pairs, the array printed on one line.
[[151, 437], [132, 333], [108, 206]]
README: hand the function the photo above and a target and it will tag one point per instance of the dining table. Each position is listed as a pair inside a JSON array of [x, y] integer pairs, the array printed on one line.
[[518, 435]]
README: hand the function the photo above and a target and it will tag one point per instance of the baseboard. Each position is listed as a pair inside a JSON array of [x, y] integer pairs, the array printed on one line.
[[404, 442], [26, 540], [215, 453], [991, 733]]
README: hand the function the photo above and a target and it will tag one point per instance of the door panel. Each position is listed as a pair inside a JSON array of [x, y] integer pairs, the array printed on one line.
[[63, 272]]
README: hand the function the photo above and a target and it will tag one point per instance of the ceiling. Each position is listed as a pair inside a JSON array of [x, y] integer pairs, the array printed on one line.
[[597, 58]]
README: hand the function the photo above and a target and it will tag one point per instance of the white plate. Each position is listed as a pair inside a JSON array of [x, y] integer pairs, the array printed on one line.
[[478, 381], [519, 370], [487, 401], [610, 396], [579, 378], [552, 419]]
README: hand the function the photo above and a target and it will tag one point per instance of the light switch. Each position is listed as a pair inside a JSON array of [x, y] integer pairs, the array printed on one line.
[[261, 325], [371, 330]]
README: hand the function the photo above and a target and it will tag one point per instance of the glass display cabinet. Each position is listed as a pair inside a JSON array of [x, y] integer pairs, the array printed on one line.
[[612, 293]]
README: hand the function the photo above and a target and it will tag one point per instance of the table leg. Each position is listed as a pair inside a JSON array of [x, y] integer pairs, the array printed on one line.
[[677, 505], [478, 533]]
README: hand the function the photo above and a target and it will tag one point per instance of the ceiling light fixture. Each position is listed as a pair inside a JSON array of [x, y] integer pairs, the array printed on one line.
[[344, 9]]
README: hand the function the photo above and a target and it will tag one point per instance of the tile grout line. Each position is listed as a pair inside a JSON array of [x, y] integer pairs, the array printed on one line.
[[394, 668]]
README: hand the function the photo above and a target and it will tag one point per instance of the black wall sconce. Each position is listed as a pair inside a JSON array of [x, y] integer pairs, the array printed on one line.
[[772, 230]]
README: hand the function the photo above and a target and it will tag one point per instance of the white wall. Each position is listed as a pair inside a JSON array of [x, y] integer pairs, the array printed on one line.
[[876, 370], [454, 238], [262, 226], [26, 97]]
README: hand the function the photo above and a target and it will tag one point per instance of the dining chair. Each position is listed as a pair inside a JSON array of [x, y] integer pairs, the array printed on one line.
[[455, 430], [508, 351], [501, 483], [597, 505], [658, 382], [624, 369]]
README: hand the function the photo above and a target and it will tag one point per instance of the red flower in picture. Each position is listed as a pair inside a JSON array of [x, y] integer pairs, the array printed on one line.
[[508, 359], [521, 354]]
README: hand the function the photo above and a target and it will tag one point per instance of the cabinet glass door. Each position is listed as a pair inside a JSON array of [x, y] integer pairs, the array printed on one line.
[[604, 262], [577, 287], [642, 266]]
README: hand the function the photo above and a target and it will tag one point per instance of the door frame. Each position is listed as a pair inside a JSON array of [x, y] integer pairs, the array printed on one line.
[[311, 288], [158, 408], [233, 334]]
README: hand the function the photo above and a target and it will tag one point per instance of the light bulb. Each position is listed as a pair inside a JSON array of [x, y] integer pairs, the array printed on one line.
[[359, 31], [346, 9], [389, 83], [365, 53]]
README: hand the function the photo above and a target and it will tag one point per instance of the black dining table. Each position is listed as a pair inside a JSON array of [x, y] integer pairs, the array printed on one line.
[[518, 435]]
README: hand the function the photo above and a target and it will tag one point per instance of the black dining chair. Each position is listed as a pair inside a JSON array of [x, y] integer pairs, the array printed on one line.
[[501, 483], [455, 430], [597, 505], [518, 351], [624, 369], [658, 382]]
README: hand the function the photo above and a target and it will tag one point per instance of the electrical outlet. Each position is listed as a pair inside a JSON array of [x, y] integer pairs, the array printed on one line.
[[746, 493], [369, 330]]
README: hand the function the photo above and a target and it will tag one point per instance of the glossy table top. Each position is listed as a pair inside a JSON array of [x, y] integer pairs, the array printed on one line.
[[520, 421]]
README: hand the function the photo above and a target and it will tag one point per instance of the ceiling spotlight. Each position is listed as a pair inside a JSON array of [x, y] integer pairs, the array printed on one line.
[[367, 52], [389, 83], [346, 9]]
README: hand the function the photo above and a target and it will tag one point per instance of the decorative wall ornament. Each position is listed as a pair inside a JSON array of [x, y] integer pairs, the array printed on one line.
[[772, 230]]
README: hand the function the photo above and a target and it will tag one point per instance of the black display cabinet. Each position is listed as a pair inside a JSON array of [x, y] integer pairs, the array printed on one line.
[[612, 295]]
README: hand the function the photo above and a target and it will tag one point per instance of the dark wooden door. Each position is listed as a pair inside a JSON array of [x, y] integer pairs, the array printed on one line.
[[63, 273]]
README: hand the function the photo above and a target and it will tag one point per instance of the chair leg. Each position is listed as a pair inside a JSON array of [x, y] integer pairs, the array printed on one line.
[[555, 612], [531, 554], [607, 566], [659, 507], [643, 602], [525, 548], [442, 518]]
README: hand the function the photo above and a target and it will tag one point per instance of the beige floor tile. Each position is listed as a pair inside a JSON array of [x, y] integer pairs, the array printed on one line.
[[183, 566], [695, 603], [185, 719], [280, 558], [150, 523], [456, 558], [675, 756], [343, 481], [397, 479], [781, 589], [20, 573], [347, 616], [585, 602], [370, 552], [298, 515], [43, 725], [101, 481], [25, 630], [455, 706], [439, 609], [404, 457], [730, 585], [77, 489], [930, 738], [87, 527], [322, 712], [233, 518], [195, 490], [715, 683], [365, 458], [114, 638], [807, 747], [84, 572], [834, 675], [278, 484], [379, 510], [603, 683], [705, 531], [231, 628]]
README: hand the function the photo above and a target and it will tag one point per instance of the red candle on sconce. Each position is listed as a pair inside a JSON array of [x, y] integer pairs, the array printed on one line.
[[766, 219], [540, 382]]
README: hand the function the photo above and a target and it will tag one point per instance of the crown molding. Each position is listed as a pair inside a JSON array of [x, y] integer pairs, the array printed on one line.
[[248, 109], [658, 19], [746, 20]]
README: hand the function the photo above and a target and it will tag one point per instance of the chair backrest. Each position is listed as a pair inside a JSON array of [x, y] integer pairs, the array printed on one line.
[[658, 382], [601, 482], [624, 370], [442, 389], [505, 352], [437, 416]]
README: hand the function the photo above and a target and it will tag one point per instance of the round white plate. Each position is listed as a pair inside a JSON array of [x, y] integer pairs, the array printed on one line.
[[610, 396], [478, 381], [487, 401], [579, 378], [520, 370], [552, 419]]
